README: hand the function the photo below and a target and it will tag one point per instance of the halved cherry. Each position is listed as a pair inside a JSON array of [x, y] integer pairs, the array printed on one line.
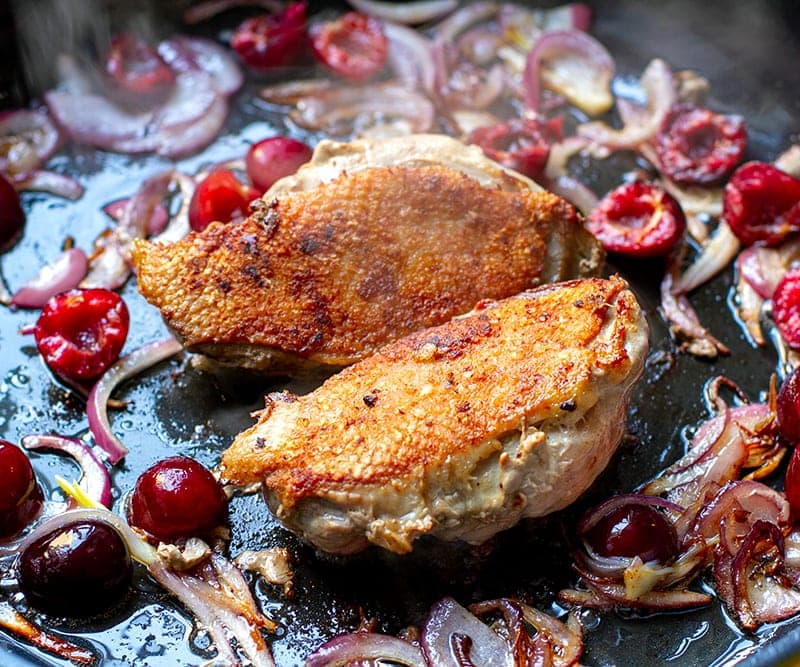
[[786, 308], [80, 333], [354, 46], [220, 197], [699, 147], [272, 40], [762, 203], [20, 494], [522, 144], [273, 158], [138, 70], [176, 498], [637, 219]]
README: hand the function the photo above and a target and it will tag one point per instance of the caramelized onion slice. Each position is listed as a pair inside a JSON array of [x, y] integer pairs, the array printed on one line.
[[358, 647], [573, 64], [448, 618], [63, 274]]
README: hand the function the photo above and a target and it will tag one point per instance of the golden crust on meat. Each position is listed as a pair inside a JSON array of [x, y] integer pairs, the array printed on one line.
[[442, 394], [332, 274]]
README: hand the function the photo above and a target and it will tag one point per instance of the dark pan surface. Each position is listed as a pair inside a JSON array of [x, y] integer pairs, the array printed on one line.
[[749, 52]]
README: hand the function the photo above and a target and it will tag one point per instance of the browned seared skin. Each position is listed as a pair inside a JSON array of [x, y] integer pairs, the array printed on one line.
[[458, 430], [327, 276]]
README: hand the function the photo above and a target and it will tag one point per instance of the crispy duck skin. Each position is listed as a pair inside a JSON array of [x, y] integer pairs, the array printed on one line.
[[324, 277], [457, 431]]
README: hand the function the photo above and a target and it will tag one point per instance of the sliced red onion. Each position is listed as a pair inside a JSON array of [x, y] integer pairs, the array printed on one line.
[[573, 64], [96, 481], [448, 618], [19, 626], [289, 93], [575, 192], [410, 56], [110, 265], [63, 274], [568, 643], [179, 226], [464, 17], [749, 306], [210, 8], [128, 366], [220, 609], [613, 593], [640, 124], [758, 595], [683, 319], [365, 646], [715, 256], [28, 139], [330, 108], [756, 500], [184, 53], [187, 121], [41, 180], [407, 13]]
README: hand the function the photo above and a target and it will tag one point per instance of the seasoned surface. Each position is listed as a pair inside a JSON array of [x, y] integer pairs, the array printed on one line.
[[458, 430], [331, 274]]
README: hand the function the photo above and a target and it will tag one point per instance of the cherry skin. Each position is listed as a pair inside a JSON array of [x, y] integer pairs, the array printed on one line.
[[12, 217], [20, 494], [177, 498], [273, 158], [634, 530], [792, 483], [787, 409], [80, 333], [219, 198], [76, 570]]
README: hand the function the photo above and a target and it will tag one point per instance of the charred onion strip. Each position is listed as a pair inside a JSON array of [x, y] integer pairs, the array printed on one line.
[[18, 625]]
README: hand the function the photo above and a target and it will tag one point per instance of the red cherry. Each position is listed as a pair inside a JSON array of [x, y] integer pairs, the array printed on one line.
[[219, 198], [12, 217], [791, 483], [20, 494], [634, 530], [80, 333], [699, 147], [761, 203], [273, 158], [637, 220], [787, 408], [354, 46], [522, 144], [177, 498], [786, 308], [272, 40]]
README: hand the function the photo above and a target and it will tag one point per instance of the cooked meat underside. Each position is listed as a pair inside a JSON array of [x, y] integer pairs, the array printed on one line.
[[457, 431], [325, 277]]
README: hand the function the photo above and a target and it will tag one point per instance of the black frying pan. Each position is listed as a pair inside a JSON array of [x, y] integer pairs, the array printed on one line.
[[749, 52]]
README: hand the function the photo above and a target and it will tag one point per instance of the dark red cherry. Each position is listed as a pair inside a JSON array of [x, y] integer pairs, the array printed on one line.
[[78, 569], [177, 498], [634, 530], [20, 494]]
